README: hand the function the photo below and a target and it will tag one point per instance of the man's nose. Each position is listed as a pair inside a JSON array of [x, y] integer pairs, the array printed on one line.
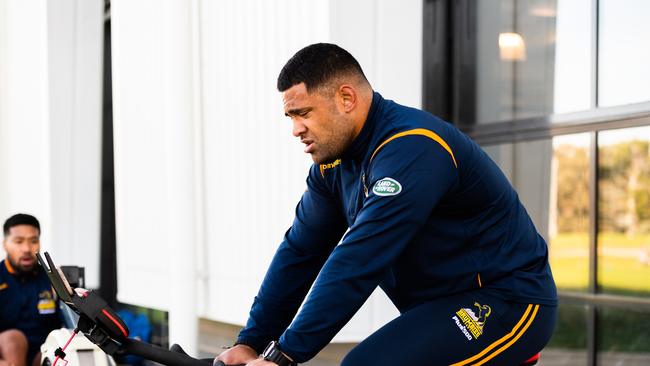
[[298, 128]]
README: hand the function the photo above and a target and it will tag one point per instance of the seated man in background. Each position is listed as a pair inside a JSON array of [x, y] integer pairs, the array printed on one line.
[[28, 308]]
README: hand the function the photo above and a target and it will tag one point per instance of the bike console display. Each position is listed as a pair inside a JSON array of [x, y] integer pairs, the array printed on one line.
[[97, 320]]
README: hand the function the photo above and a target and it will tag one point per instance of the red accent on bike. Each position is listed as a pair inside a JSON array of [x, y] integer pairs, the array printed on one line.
[[533, 360], [116, 322]]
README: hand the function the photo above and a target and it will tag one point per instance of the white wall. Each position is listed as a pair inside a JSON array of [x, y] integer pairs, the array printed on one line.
[[24, 123], [254, 168], [50, 119], [139, 143], [75, 50], [249, 172]]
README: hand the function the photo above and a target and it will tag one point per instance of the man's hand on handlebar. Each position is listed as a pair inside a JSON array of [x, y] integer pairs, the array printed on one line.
[[240, 354]]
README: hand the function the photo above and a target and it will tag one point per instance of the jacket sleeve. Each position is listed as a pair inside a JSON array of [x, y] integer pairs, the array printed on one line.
[[420, 173], [317, 227]]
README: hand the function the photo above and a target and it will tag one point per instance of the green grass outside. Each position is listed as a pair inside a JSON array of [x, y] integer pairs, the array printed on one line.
[[622, 240]]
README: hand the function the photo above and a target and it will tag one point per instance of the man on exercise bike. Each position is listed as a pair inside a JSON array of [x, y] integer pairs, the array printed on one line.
[[400, 199]]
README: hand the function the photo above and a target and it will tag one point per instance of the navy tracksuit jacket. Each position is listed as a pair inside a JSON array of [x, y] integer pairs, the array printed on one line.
[[429, 215]]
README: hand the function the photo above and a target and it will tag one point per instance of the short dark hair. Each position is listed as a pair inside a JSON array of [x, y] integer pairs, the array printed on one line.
[[21, 219], [317, 64]]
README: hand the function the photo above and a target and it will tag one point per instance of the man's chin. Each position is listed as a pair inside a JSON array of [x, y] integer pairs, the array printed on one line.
[[24, 268], [320, 159], [27, 269]]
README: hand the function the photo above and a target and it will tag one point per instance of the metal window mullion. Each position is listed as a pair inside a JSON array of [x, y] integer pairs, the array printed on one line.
[[464, 61], [514, 69], [593, 213], [107, 234], [592, 320], [592, 311], [595, 50], [438, 58]]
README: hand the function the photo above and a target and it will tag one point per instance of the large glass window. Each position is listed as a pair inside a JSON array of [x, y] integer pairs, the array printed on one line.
[[624, 211], [536, 58], [624, 52], [514, 59], [573, 82]]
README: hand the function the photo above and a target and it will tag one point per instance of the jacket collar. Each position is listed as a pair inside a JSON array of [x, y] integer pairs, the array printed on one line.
[[359, 147], [9, 267]]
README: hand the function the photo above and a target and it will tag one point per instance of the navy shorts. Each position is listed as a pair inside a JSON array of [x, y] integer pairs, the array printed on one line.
[[472, 328]]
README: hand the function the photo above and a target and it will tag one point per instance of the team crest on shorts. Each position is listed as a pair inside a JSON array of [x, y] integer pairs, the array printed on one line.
[[471, 321]]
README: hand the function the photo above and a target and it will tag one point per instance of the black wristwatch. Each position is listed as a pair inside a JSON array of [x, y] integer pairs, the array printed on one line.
[[273, 353]]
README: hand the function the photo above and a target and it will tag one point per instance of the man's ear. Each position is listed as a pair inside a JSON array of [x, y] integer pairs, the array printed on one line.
[[348, 97]]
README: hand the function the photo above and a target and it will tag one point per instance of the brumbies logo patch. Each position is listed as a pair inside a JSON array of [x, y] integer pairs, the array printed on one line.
[[387, 187], [471, 323]]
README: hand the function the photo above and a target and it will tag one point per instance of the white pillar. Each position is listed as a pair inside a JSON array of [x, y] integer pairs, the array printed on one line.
[[180, 160], [50, 120], [75, 30], [24, 116], [155, 159]]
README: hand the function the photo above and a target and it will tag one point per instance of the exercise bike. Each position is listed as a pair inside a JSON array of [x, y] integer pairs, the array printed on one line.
[[102, 326]]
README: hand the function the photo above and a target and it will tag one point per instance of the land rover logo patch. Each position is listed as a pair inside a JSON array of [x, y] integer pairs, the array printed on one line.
[[387, 187]]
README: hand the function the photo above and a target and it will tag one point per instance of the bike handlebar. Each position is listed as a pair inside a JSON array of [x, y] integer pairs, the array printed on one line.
[[165, 356], [160, 355]]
